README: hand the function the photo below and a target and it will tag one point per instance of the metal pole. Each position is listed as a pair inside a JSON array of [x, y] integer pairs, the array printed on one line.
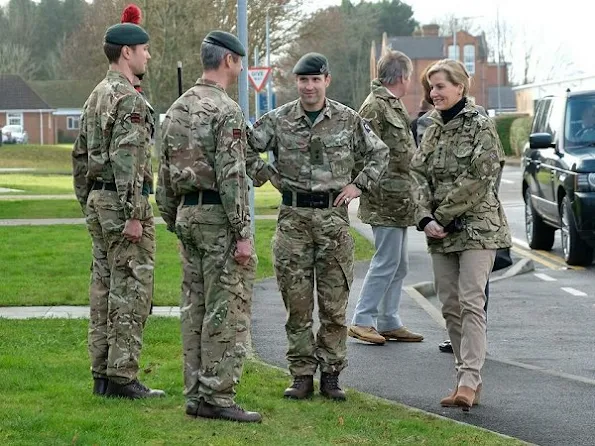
[[180, 89], [256, 101], [454, 39], [242, 18], [499, 68], [270, 79]]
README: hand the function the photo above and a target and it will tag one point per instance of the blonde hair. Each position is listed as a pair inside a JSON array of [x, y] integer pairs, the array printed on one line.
[[425, 84], [455, 73], [394, 66]]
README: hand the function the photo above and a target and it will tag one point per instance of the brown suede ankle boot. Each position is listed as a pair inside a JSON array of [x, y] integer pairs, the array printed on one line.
[[466, 397], [449, 401]]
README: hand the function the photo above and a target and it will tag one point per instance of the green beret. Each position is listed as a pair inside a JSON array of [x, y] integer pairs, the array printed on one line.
[[226, 40], [312, 63], [126, 34]]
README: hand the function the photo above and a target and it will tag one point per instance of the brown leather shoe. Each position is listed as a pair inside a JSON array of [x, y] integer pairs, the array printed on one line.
[[366, 334], [465, 397], [301, 388], [449, 401], [329, 387], [231, 413], [402, 334]]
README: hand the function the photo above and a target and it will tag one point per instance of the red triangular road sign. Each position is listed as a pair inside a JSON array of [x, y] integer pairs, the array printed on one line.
[[258, 76]]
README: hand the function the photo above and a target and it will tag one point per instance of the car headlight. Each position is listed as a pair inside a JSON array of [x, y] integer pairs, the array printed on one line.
[[585, 182]]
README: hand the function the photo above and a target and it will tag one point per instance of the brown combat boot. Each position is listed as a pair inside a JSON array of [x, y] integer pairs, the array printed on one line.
[[449, 401], [329, 387], [465, 398], [301, 388], [231, 413]]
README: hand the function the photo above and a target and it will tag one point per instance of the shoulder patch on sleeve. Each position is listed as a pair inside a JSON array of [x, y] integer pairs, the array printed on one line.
[[257, 124], [135, 118], [366, 126], [237, 133]]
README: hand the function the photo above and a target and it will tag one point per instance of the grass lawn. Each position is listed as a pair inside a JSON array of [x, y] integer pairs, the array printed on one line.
[[46, 399], [49, 158], [49, 265], [42, 184]]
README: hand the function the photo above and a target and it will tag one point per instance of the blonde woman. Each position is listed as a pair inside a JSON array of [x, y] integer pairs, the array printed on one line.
[[456, 169]]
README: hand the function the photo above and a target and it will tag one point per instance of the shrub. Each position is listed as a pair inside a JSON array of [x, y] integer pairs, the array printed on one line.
[[503, 124], [519, 133]]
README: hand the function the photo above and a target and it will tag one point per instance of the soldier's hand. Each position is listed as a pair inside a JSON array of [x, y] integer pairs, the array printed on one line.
[[348, 193], [133, 231], [276, 181], [434, 230], [243, 251]]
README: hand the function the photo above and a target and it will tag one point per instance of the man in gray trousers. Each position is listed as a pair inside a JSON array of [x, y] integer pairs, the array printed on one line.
[[388, 207]]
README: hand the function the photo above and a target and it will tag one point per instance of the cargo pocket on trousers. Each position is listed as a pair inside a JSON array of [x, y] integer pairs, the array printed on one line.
[[344, 256]]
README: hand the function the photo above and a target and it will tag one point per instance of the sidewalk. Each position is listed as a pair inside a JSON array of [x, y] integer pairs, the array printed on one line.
[[518, 401]]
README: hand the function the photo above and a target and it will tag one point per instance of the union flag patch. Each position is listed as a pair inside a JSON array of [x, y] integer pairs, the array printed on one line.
[[135, 118], [237, 133]]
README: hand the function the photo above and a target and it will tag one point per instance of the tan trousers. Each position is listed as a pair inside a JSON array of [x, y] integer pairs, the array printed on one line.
[[460, 280]]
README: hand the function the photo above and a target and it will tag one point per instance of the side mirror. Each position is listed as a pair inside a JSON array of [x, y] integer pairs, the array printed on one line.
[[540, 141]]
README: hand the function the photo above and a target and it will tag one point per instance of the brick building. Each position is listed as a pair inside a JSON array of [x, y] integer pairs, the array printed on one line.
[[426, 47], [20, 105]]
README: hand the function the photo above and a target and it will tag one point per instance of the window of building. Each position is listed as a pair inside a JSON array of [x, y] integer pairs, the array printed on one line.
[[72, 123], [14, 119], [469, 58], [451, 52]]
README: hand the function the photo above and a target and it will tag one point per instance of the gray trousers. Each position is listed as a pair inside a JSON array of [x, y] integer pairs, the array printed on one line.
[[379, 300]]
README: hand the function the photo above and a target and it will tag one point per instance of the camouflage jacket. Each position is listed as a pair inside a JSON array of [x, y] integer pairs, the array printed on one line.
[[204, 148], [456, 171], [113, 143], [339, 148], [390, 201]]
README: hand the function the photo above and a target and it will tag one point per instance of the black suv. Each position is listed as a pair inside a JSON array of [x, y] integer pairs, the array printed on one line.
[[559, 176]]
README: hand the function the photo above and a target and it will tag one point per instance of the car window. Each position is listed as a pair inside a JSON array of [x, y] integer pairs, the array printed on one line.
[[580, 121], [554, 121], [540, 117]]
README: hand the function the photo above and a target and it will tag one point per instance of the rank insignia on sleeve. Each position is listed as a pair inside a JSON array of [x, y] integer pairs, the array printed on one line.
[[135, 118], [367, 126], [237, 133]]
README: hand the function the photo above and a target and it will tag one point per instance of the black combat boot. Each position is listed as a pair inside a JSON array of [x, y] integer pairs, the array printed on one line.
[[301, 388], [329, 387], [133, 390], [99, 386], [231, 413]]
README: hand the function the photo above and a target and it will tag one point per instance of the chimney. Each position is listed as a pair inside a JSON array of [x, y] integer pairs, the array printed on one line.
[[430, 30]]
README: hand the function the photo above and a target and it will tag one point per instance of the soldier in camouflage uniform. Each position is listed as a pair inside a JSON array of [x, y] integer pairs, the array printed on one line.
[[317, 143], [388, 206], [456, 170], [203, 196], [112, 181]]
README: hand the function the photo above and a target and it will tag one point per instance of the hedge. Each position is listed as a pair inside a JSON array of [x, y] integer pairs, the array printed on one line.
[[503, 124], [519, 133]]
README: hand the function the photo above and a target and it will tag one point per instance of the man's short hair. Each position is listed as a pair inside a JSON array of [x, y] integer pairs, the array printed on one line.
[[393, 67], [112, 51], [211, 55]]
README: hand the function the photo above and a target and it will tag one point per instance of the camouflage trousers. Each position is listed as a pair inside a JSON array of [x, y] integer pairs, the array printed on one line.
[[121, 287], [215, 305], [314, 245]]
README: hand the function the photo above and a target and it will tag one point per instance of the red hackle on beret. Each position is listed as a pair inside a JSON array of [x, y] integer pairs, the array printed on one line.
[[132, 14]]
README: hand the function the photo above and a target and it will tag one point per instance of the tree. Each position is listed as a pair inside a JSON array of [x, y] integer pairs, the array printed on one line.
[[176, 35], [16, 59]]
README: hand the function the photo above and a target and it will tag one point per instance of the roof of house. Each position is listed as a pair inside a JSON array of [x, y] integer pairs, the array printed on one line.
[[507, 98], [418, 47], [64, 93], [16, 94]]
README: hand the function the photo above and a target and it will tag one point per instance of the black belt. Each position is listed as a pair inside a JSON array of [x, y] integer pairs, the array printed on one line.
[[309, 200], [99, 185], [201, 197]]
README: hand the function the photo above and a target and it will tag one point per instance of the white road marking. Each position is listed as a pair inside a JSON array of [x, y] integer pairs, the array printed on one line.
[[545, 277], [505, 181], [574, 292]]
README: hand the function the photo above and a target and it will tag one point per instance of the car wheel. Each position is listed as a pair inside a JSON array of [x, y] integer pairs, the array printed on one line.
[[539, 234], [576, 251]]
